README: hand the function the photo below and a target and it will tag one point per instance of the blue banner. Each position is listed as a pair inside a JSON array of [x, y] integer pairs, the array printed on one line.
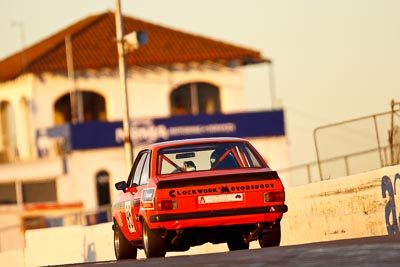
[[145, 131]]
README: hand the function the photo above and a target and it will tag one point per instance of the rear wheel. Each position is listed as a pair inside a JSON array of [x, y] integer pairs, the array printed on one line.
[[237, 242], [153, 243], [270, 237], [122, 247]]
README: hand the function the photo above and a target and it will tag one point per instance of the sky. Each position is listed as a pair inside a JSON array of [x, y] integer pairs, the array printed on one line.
[[333, 60]]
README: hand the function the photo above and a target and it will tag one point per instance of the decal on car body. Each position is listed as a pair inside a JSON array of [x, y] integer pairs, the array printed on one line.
[[128, 215], [147, 199], [220, 189]]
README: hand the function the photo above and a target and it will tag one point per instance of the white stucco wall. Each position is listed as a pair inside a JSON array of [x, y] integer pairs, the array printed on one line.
[[31, 170], [14, 92], [148, 92], [82, 169]]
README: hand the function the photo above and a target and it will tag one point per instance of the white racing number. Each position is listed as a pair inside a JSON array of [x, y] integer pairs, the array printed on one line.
[[129, 218]]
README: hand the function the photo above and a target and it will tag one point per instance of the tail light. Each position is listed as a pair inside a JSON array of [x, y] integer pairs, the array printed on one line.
[[147, 205], [274, 196], [167, 205]]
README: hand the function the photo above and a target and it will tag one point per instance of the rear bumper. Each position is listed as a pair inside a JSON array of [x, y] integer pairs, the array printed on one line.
[[276, 210]]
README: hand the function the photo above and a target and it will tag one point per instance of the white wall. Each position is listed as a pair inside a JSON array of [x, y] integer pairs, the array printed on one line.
[[60, 246], [13, 91], [31, 170], [82, 169], [14, 258], [11, 236], [146, 90]]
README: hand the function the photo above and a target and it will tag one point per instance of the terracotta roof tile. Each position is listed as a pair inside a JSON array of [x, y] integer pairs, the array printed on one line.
[[94, 47]]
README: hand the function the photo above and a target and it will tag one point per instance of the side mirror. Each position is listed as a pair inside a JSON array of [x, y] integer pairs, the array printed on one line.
[[121, 186]]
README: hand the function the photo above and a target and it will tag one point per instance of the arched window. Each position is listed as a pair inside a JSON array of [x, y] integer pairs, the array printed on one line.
[[93, 107], [103, 188], [8, 142], [62, 110], [195, 98]]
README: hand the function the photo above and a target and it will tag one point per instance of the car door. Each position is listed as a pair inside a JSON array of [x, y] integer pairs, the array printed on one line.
[[138, 178]]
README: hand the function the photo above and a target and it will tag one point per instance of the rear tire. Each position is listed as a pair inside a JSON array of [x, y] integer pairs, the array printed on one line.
[[123, 249], [272, 237], [153, 243], [237, 242]]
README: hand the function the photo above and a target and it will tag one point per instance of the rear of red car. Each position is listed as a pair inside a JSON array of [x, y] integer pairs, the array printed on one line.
[[186, 193], [210, 201], [221, 198]]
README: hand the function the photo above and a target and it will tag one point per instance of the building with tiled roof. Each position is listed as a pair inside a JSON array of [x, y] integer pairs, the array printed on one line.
[[95, 47], [179, 85]]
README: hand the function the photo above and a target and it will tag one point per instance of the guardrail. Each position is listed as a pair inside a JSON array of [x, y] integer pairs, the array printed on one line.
[[310, 172], [370, 142]]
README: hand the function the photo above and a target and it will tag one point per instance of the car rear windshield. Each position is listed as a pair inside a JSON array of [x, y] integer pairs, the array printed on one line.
[[203, 157]]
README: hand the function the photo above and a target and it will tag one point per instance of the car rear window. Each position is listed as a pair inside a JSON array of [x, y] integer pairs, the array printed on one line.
[[204, 157]]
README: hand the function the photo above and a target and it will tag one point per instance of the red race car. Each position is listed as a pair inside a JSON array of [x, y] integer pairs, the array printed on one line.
[[186, 193]]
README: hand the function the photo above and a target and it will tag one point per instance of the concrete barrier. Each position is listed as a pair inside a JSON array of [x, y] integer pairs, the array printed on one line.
[[14, 258], [57, 245], [355, 206], [347, 207]]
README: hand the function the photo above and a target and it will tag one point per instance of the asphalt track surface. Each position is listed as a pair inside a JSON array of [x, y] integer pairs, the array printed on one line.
[[372, 251]]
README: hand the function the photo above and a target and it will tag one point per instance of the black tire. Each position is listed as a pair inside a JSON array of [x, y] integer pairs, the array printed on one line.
[[123, 249], [237, 242], [153, 243], [271, 238]]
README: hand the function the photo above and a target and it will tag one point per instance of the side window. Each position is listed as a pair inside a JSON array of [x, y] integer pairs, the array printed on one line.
[[136, 170], [253, 161], [140, 172], [139, 168], [144, 177]]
